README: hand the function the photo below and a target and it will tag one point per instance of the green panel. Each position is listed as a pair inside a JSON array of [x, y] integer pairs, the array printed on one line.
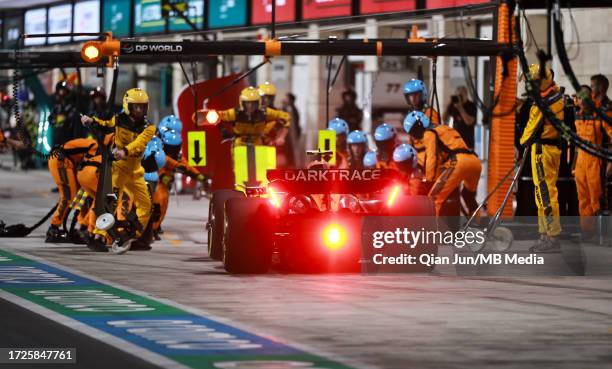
[[227, 13], [148, 17], [7, 257], [195, 15], [209, 361], [117, 17]]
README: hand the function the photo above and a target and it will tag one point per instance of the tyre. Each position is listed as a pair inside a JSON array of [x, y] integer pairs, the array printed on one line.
[[215, 221], [248, 236]]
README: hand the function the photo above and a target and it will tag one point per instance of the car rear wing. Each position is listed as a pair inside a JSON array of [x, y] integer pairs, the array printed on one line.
[[335, 181]]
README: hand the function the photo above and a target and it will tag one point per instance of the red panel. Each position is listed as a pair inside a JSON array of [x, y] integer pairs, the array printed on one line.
[[453, 3], [383, 6], [218, 155], [312, 9], [262, 11]]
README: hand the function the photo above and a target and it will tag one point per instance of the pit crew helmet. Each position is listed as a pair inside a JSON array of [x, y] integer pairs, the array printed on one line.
[[156, 143], [369, 160], [62, 85], [416, 85], [356, 137], [405, 153], [338, 125], [384, 132], [249, 94], [534, 74], [170, 123], [135, 96], [267, 89], [97, 92], [413, 118], [154, 157], [172, 143]]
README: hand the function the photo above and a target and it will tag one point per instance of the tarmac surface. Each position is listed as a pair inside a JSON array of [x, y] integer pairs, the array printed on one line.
[[401, 321]]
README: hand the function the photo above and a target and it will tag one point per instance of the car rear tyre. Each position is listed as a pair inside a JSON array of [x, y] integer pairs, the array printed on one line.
[[216, 219], [248, 236]]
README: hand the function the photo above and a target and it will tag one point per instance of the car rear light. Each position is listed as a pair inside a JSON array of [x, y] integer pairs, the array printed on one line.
[[274, 197], [334, 236], [393, 195]]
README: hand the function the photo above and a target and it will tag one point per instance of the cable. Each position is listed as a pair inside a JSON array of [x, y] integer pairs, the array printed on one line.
[[21, 130], [535, 42], [328, 63], [533, 90], [467, 70], [110, 104], [575, 32], [567, 67], [238, 79], [191, 86], [434, 90]]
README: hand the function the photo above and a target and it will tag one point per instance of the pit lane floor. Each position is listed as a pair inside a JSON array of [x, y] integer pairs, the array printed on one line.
[[394, 322]]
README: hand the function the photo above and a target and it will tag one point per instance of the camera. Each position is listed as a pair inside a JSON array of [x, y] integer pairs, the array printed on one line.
[[454, 99]]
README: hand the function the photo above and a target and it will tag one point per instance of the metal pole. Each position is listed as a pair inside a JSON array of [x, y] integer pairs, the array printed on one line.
[[273, 19]]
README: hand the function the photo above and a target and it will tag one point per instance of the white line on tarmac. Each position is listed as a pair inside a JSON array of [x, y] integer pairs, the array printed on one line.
[[197, 311], [87, 330]]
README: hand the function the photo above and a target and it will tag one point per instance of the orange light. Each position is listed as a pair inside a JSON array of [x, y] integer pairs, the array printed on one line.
[[334, 236], [91, 52], [274, 199], [393, 195], [212, 117]]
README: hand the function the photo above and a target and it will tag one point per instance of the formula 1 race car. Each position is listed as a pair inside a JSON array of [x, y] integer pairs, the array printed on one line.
[[305, 220]]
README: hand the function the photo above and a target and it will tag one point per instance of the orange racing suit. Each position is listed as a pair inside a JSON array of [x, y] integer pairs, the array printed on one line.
[[62, 165], [448, 163], [587, 170], [166, 177]]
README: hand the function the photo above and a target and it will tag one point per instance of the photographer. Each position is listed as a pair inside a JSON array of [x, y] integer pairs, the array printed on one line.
[[463, 112]]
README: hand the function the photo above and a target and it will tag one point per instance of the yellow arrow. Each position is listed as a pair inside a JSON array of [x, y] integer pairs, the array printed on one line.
[[327, 142], [196, 148]]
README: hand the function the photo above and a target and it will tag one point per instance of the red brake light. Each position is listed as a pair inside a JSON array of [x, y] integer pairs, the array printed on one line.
[[334, 236]]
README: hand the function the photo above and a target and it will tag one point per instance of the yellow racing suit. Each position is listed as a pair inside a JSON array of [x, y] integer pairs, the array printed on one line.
[[545, 144], [128, 174], [253, 128]]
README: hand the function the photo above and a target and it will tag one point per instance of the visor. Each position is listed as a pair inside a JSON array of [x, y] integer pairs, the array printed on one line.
[[144, 106]]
